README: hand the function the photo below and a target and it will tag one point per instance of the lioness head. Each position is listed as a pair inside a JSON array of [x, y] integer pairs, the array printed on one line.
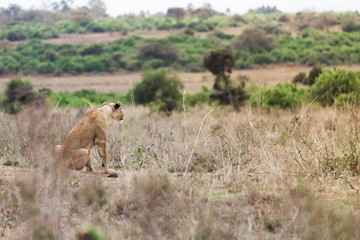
[[116, 113]]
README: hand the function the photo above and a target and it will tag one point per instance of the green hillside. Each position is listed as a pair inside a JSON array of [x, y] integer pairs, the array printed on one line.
[[267, 36]]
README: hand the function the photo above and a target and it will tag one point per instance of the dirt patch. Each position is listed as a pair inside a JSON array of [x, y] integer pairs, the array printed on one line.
[[107, 37]]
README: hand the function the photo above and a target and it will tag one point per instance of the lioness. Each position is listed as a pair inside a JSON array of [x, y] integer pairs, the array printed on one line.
[[92, 130]]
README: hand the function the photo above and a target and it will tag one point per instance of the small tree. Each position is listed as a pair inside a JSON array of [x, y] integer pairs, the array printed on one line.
[[160, 89], [19, 93], [219, 63]]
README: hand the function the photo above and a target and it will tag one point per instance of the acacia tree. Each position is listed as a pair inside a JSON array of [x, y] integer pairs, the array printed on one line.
[[220, 63]]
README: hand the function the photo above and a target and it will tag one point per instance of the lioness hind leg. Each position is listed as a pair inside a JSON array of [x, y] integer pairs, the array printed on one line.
[[57, 151], [79, 159]]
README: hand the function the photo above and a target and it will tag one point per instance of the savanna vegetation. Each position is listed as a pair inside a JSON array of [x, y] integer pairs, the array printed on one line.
[[268, 37], [234, 161]]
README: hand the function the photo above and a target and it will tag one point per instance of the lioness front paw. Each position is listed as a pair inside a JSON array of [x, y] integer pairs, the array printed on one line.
[[109, 170]]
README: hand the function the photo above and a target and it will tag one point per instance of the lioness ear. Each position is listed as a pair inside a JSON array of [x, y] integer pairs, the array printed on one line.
[[117, 105]]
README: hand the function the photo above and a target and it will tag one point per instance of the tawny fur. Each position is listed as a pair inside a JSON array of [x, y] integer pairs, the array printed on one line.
[[91, 131]]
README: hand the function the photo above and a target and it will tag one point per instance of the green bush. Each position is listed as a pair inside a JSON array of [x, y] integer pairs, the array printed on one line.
[[347, 100], [72, 66], [199, 98], [46, 67], [95, 27], [51, 55], [223, 36], [8, 64], [98, 48], [189, 31], [284, 55], [16, 86], [16, 35], [331, 84], [262, 59], [158, 51], [280, 96], [94, 65], [160, 89], [19, 93]]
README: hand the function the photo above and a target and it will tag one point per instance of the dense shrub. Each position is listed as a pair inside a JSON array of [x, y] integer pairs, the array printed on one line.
[[51, 55], [255, 40], [223, 36], [314, 73], [158, 51], [199, 98], [9, 64], [310, 80], [299, 78], [284, 55], [19, 93], [189, 31], [16, 35], [94, 65], [284, 18], [46, 67], [345, 100], [98, 48], [160, 89], [350, 25], [280, 96], [95, 27], [331, 84], [263, 58]]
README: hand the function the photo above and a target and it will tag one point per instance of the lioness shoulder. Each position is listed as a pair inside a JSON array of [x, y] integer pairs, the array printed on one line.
[[91, 131]]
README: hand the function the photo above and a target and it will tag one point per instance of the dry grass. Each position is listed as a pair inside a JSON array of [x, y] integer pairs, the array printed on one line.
[[250, 177]]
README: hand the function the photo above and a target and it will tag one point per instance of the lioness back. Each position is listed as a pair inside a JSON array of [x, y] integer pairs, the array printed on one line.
[[90, 131]]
